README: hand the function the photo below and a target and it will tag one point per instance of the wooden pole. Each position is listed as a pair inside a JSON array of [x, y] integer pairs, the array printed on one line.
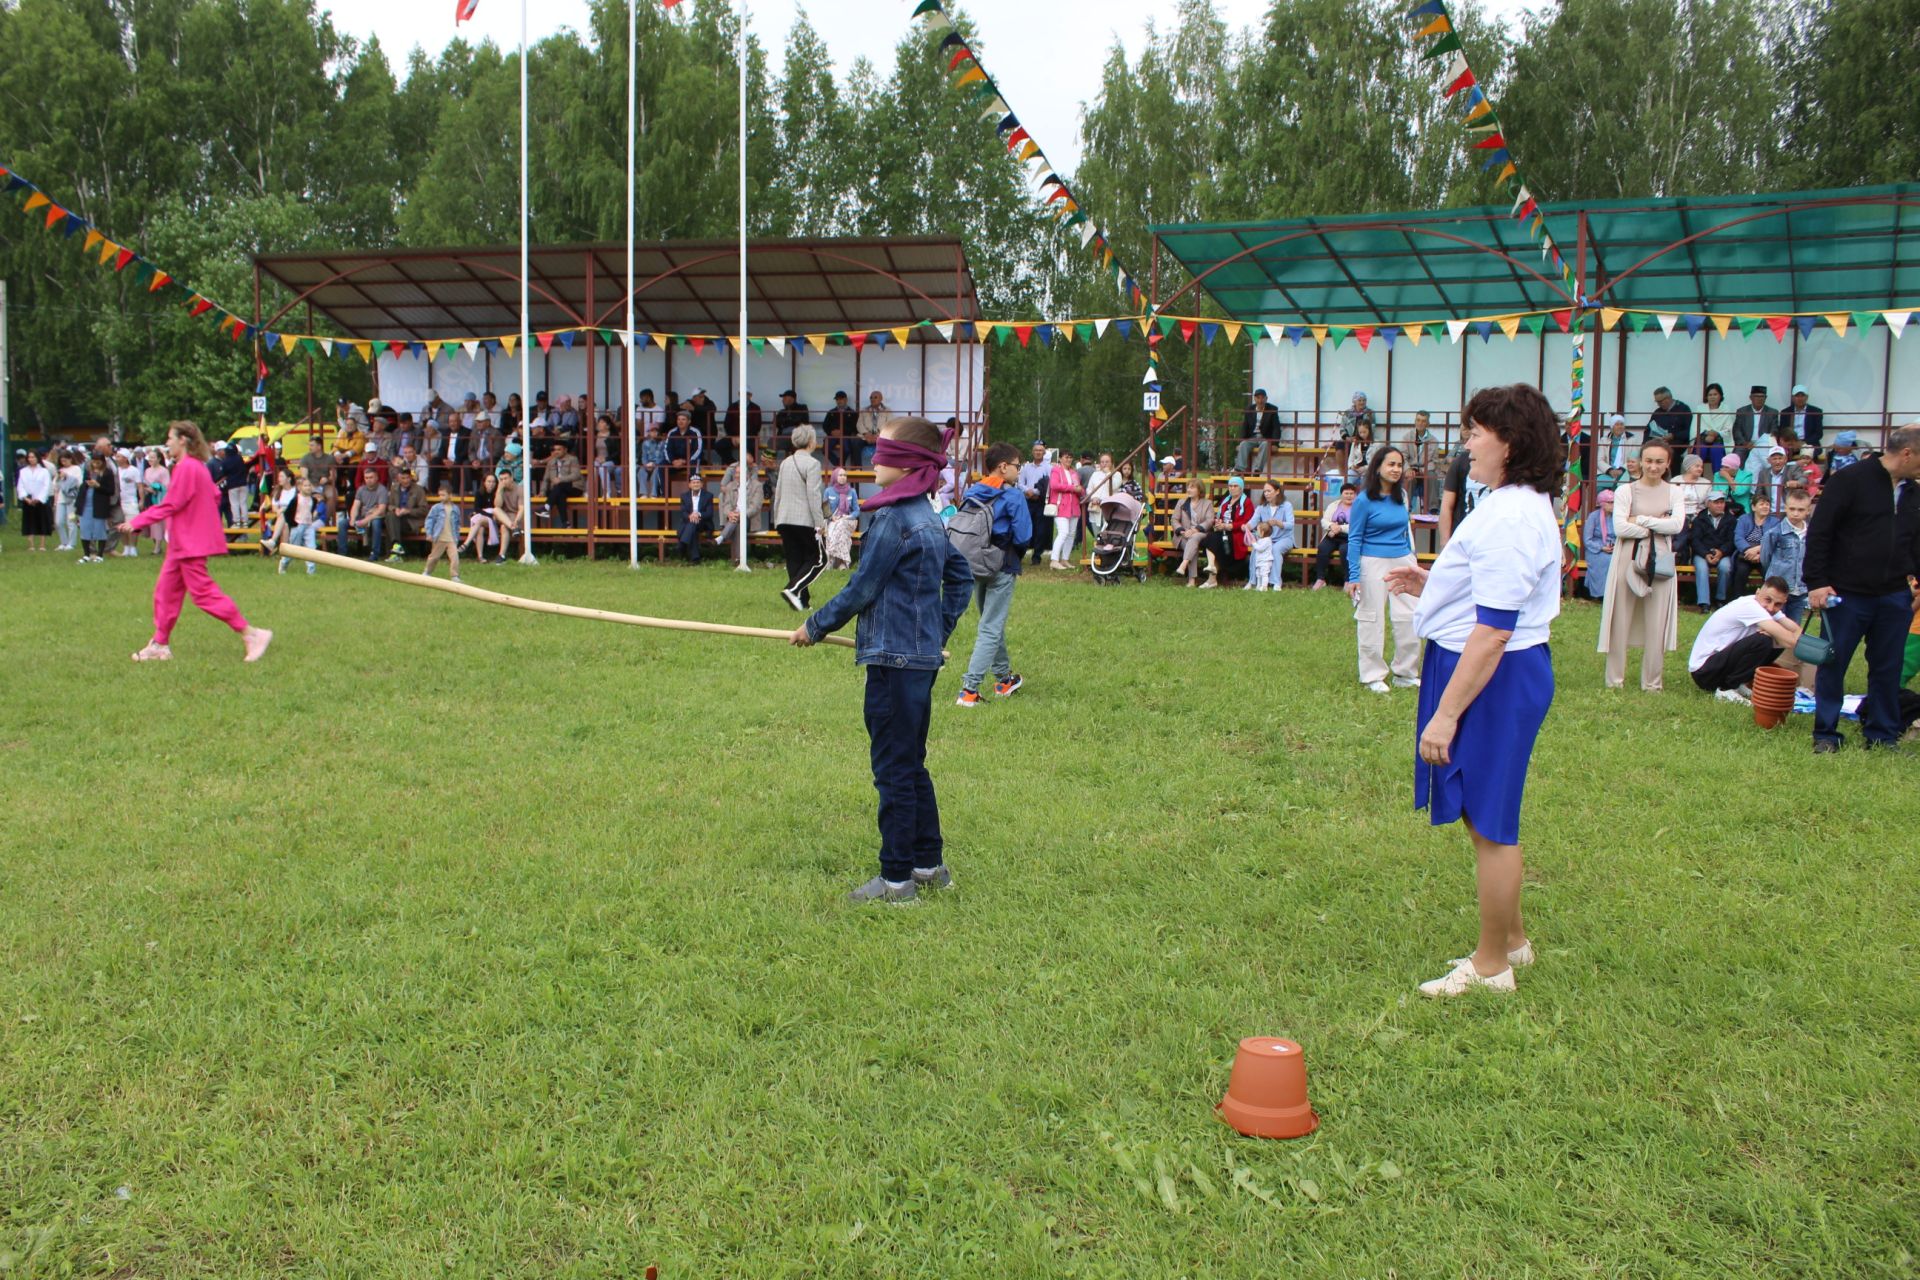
[[332, 561]]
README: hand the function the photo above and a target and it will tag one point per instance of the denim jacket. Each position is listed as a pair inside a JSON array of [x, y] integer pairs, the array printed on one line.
[[909, 590], [1783, 554]]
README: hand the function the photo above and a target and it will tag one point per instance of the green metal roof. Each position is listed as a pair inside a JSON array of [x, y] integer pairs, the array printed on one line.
[[1803, 251]]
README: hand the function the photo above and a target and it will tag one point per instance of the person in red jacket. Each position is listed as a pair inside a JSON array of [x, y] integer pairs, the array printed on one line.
[[192, 505]]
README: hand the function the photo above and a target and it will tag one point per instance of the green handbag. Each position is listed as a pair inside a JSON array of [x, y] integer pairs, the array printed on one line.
[[1814, 650]]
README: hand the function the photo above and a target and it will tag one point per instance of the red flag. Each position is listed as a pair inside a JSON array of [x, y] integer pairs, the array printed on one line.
[[463, 10]]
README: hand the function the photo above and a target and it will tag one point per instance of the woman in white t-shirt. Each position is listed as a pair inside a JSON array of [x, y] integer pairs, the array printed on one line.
[[1487, 678]]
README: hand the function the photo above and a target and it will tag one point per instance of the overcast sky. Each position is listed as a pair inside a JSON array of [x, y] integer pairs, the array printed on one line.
[[1045, 57]]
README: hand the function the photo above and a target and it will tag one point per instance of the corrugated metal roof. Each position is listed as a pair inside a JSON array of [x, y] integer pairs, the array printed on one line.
[[1805, 251], [794, 287]]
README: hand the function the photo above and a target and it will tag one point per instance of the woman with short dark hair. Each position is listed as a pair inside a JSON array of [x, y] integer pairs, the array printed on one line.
[[1487, 679]]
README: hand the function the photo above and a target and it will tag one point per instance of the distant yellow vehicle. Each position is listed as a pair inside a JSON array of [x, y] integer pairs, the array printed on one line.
[[289, 439]]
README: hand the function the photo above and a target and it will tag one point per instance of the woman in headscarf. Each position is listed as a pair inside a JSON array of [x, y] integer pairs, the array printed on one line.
[[842, 506]]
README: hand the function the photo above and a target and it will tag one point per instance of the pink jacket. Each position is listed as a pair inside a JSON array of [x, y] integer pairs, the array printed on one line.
[[193, 505]]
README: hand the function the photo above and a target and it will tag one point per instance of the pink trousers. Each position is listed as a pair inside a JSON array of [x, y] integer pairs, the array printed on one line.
[[183, 576]]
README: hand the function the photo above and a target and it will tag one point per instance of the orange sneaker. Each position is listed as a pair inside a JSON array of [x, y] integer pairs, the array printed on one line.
[[968, 698]]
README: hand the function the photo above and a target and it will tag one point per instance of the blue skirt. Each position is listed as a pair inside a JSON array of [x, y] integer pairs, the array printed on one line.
[[94, 529], [1488, 773]]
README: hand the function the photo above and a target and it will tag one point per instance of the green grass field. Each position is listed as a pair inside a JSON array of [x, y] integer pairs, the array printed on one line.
[[459, 941]]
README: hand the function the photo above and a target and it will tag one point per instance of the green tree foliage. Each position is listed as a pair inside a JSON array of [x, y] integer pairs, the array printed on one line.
[[204, 130], [1852, 97]]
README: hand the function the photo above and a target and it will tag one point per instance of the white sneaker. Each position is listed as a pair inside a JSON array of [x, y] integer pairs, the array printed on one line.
[[1465, 978], [1379, 686], [1732, 695], [1519, 958], [1406, 682]]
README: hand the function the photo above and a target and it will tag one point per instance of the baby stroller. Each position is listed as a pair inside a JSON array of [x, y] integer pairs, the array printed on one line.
[[1113, 549]]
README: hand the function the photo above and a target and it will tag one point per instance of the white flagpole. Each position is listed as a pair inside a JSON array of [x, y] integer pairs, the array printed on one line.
[[747, 460], [632, 457], [526, 345]]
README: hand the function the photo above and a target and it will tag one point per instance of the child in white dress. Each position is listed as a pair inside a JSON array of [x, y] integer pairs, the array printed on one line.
[[1260, 572]]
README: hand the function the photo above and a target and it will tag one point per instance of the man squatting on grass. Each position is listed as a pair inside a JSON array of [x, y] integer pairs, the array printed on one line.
[[998, 489], [909, 591]]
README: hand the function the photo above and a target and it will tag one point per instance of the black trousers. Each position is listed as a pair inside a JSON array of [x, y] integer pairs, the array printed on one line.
[[899, 707], [1734, 665], [690, 534], [1042, 540], [806, 557], [559, 498], [1330, 546]]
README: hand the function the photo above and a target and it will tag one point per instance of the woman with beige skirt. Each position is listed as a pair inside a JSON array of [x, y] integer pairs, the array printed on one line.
[[1641, 607]]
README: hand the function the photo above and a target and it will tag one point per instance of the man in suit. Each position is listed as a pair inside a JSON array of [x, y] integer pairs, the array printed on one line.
[[1755, 422], [696, 517], [1259, 429], [1804, 420], [454, 451]]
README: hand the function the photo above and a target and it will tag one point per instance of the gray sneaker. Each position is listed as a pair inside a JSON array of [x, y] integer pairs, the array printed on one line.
[[933, 877], [878, 890]]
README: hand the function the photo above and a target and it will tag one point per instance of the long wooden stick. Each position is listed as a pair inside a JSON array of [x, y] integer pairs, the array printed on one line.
[[412, 579]]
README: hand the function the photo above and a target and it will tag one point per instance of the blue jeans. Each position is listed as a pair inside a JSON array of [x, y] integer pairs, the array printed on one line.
[[898, 709], [373, 534], [653, 481], [994, 597], [1796, 607], [1882, 622], [1717, 580], [304, 535]]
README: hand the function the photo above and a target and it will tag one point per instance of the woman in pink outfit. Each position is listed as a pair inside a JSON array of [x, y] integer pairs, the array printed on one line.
[[196, 531]]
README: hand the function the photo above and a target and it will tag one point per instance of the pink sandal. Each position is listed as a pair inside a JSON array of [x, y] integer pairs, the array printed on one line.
[[153, 653]]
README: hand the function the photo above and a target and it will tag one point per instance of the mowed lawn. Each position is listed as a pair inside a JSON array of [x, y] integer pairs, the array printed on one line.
[[456, 941]]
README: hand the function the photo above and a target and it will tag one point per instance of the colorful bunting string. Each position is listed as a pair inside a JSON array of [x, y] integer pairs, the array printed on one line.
[[1154, 327], [1062, 205]]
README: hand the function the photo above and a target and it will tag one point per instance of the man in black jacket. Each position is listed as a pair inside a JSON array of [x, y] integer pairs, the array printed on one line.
[[1710, 543], [696, 517], [1863, 547], [1259, 429], [1806, 421]]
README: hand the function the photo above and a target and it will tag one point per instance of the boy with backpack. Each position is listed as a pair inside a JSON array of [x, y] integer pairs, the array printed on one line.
[[909, 591], [989, 529]]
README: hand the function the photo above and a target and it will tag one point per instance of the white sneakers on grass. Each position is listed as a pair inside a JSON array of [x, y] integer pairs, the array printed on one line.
[[1463, 977], [1378, 686]]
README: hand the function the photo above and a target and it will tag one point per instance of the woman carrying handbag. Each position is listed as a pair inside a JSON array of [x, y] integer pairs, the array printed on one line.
[[1642, 603]]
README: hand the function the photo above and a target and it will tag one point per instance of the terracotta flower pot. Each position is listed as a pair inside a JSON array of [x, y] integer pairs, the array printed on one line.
[[1267, 1093]]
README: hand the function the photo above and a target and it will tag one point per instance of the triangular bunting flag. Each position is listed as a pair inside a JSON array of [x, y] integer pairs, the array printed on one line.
[[1747, 325], [1414, 334], [1153, 375], [1897, 321], [1609, 317], [288, 342], [509, 341], [1319, 332], [1485, 329], [545, 340], [160, 281], [93, 238], [818, 341], [1722, 324], [1510, 325], [1695, 323], [1863, 320], [568, 337], [1534, 325], [1839, 323], [900, 334], [396, 349], [1233, 331], [1667, 320], [779, 345], [472, 347], [1208, 332], [36, 201], [1186, 330], [1779, 326], [698, 344], [733, 341], [1455, 328], [758, 344], [945, 329], [1387, 335]]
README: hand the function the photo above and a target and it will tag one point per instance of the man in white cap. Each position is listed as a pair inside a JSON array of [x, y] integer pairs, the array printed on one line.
[[1779, 476], [1804, 420]]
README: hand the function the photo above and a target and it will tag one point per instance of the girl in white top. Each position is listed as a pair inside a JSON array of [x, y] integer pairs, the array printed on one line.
[[33, 489], [129, 481], [1485, 609]]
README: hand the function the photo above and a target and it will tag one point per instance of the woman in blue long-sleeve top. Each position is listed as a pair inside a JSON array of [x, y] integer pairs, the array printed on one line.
[[1598, 544], [1380, 540]]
